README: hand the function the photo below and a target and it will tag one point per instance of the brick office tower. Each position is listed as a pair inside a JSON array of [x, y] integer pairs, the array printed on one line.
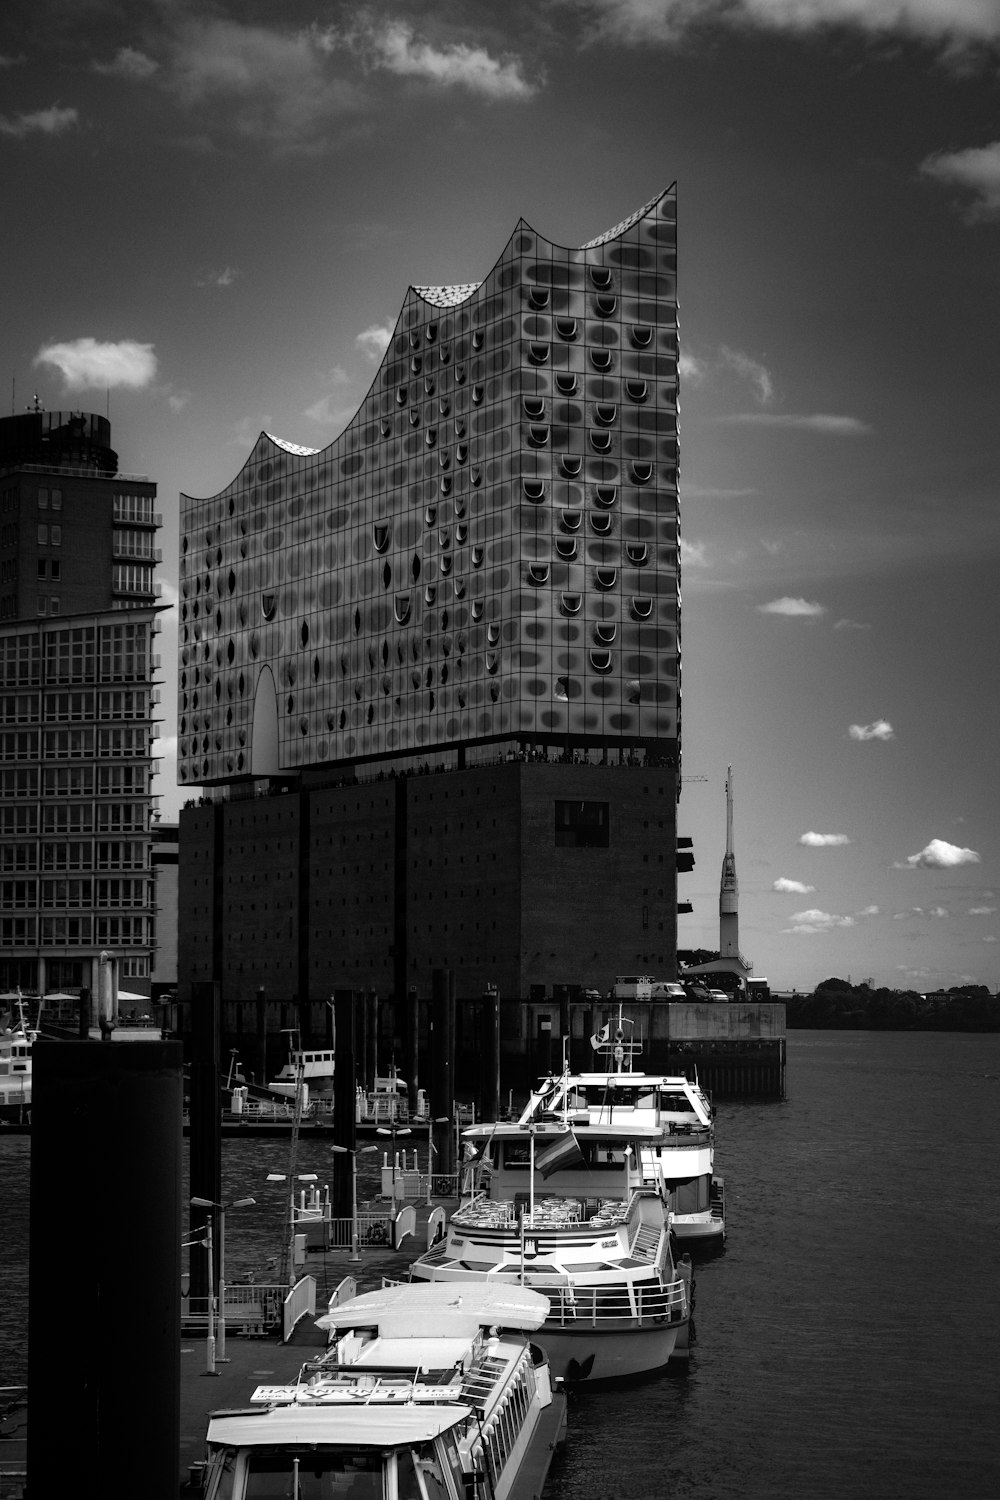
[[77, 620], [430, 674]]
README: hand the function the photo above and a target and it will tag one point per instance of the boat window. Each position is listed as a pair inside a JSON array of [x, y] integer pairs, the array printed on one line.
[[271, 1472], [431, 1471]]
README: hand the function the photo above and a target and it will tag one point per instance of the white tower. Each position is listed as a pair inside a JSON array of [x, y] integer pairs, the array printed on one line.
[[729, 890]]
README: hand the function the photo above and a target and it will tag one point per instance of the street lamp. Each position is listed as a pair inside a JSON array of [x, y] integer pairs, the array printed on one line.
[[393, 1130], [352, 1151], [283, 1177], [216, 1351]]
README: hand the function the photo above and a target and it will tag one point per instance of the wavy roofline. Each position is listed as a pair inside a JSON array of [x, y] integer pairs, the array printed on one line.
[[443, 298]]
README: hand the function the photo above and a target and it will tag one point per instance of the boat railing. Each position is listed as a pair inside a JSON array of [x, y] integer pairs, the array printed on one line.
[[251, 1310], [571, 1306]]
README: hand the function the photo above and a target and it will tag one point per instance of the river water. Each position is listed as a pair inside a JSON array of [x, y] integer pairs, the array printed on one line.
[[847, 1337]]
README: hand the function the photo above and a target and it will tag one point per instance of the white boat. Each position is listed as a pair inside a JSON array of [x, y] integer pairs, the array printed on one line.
[[419, 1397], [15, 1068], [567, 1213], [677, 1152]]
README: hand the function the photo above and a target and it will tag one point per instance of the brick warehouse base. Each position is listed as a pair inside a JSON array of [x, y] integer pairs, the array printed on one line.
[[518, 875]]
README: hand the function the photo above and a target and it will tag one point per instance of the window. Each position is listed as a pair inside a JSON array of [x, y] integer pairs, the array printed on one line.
[[43, 499], [56, 534], [43, 535], [582, 825]]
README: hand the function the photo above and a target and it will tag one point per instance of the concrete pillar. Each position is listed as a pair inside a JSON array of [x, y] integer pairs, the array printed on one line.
[[105, 1265]]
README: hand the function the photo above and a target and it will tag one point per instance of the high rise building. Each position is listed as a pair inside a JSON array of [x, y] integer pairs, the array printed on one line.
[[479, 579], [78, 616]]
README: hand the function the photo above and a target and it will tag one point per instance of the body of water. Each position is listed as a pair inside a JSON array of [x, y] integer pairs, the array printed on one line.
[[847, 1335]]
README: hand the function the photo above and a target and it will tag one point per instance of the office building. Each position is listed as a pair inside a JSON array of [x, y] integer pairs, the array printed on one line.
[[429, 676], [78, 617]]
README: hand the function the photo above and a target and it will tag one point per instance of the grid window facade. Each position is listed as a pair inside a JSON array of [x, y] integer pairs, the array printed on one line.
[[490, 549]]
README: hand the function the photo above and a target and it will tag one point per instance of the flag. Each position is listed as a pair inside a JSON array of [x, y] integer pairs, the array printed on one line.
[[600, 1037], [563, 1151]]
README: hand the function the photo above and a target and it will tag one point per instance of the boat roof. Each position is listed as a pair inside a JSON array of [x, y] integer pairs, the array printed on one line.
[[439, 1310], [330, 1426], [545, 1131]]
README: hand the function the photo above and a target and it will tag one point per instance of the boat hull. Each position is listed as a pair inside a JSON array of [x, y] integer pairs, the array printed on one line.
[[588, 1353]]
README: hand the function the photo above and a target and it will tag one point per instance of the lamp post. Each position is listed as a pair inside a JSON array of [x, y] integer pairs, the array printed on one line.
[[217, 1349], [299, 1177], [355, 1256], [393, 1130]]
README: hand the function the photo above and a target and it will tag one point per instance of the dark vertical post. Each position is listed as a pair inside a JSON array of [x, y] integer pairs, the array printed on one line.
[[344, 1089], [371, 1037], [489, 1096], [83, 1026], [544, 1055], [206, 1118], [565, 1026], [106, 1157], [442, 1094], [411, 1053], [260, 1076]]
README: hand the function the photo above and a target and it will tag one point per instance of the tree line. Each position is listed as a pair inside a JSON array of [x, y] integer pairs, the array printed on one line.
[[838, 1004]]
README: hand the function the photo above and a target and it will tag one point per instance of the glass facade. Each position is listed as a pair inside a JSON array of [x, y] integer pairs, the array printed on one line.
[[488, 552]]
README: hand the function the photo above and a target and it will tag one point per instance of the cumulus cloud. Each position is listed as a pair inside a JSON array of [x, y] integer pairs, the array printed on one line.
[[977, 169], [823, 422], [949, 24], [938, 911], [128, 62], [751, 370], [374, 340], [693, 554], [87, 364], [846, 624], [51, 121], [981, 911], [940, 855], [792, 887], [275, 85], [226, 277], [814, 920], [823, 840], [792, 609], [880, 730], [692, 369], [393, 45]]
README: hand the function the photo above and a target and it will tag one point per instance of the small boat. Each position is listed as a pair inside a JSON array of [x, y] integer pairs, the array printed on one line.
[[565, 1210], [15, 1068], [426, 1393]]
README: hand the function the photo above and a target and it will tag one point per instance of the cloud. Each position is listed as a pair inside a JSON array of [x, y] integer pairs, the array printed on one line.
[[977, 169], [981, 911], [938, 911], [880, 730], [822, 422], [951, 24], [274, 85], [792, 887], [12, 62], [818, 921], [939, 855], [749, 369], [850, 625], [693, 554], [374, 341], [692, 369], [86, 364], [226, 277], [394, 46], [823, 840], [128, 62], [792, 609], [51, 121]]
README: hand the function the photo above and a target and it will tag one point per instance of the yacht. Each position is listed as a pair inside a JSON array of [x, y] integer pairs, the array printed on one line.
[[425, 1393], [560, 1205], [15, 1068]]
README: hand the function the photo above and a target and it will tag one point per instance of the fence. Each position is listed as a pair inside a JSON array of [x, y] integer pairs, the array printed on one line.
[[300, 1302]]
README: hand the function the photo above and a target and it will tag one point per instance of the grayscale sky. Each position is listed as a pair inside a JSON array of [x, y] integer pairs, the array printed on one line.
[[213, 211]]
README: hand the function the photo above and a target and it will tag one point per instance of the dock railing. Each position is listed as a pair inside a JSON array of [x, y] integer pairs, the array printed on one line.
[[299, 1303]]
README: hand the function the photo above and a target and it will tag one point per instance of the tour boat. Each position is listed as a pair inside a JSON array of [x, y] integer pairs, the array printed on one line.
[[426, 1393], [15, 1069], [565, 1210], [677, 1152]]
